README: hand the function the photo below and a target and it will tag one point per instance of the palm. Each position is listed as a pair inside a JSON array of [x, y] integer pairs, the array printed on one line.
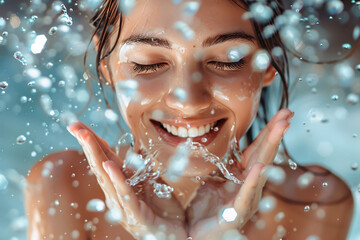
[[139, 217]]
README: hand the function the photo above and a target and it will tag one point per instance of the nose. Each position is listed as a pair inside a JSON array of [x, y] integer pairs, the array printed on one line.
[[189, 94]]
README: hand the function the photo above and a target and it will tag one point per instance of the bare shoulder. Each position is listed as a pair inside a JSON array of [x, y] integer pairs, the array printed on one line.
[[66, 174], [59, 189], [57, 164]]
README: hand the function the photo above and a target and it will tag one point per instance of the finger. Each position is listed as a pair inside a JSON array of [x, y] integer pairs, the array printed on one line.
[[283, 114], [125, 194], [96, 157], [248, 190], [267, 148], [77, 126]]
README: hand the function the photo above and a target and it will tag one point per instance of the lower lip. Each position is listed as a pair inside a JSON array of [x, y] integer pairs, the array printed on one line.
[[175, 140]]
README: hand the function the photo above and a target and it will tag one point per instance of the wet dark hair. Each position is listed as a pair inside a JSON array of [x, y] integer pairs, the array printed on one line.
[[108, 15]]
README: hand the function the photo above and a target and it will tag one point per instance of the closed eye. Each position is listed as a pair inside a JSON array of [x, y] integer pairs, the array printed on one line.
[[146, 69], [227, 66]]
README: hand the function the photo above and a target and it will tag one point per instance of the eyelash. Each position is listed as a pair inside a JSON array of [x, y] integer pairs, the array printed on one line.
[[140, 68], [228, 65]]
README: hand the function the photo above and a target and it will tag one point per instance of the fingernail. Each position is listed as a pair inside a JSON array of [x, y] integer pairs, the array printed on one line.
[[70, 131], [290, 116]]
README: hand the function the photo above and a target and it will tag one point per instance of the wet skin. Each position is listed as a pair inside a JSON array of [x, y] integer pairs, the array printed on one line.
[[229, 94]]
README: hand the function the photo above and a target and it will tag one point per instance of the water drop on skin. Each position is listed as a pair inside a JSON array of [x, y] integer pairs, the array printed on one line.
[[324, 184], [292, 164], [306, 208], [95, 205]]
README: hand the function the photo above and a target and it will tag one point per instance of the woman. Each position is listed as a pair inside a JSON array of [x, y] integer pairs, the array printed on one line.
[[188, 80]]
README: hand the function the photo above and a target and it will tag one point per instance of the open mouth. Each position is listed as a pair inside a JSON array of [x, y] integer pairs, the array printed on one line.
[[174, 135]]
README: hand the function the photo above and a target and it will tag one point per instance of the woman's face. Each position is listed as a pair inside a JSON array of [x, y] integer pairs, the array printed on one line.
[[186, 84]]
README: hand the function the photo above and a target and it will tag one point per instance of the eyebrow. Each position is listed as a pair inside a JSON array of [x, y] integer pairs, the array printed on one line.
[[227, 37], [144, 39], [159, 42]]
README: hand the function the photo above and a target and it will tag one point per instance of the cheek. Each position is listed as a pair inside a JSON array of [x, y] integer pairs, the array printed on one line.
[[242, 98]]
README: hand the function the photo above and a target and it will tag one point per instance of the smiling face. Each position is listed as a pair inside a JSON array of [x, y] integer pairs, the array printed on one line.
[[187, 84]]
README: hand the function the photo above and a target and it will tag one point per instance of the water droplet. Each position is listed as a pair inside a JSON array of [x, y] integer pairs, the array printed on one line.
[[352, 98], [39, 44], [324, 44], [33, 154], [127, 87], [261, 12], [3, 85], [23, 99], [3, 182], [292, 164], [357, 67], [324, 184], [335, 97], [204, 140], [276, 175], [186, 32], [2, 23], [20, 57], [305, 179], [179, 161], [111, 115], [267, 204], [61, 83], [114, 215], [236, 53], [260, 61], [44, 84], [334, 7], [65, 18], [49, 65], [75, 234], [356, 33], [21, 139], [162, 190], [75, 183], [180, 94], [95, 205], [53, 30], [126, 6], [229, 214], [307, 208], [354, 166], [190, 8], [51, 211], [346, 46]]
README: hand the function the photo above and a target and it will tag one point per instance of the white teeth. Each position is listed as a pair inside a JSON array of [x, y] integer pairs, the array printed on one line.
[[182, 132], [174, 130], [191, 132]]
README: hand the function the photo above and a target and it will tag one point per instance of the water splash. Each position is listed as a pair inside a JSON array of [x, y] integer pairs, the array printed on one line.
[[20, 57]]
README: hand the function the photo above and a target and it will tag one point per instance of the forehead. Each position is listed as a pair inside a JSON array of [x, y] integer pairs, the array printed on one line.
[[158, 17]]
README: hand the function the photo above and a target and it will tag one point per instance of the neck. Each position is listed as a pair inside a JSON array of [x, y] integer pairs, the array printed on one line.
[[185, 189]]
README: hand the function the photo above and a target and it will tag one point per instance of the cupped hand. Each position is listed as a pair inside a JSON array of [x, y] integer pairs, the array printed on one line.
[[137, 217], [256, 157]]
